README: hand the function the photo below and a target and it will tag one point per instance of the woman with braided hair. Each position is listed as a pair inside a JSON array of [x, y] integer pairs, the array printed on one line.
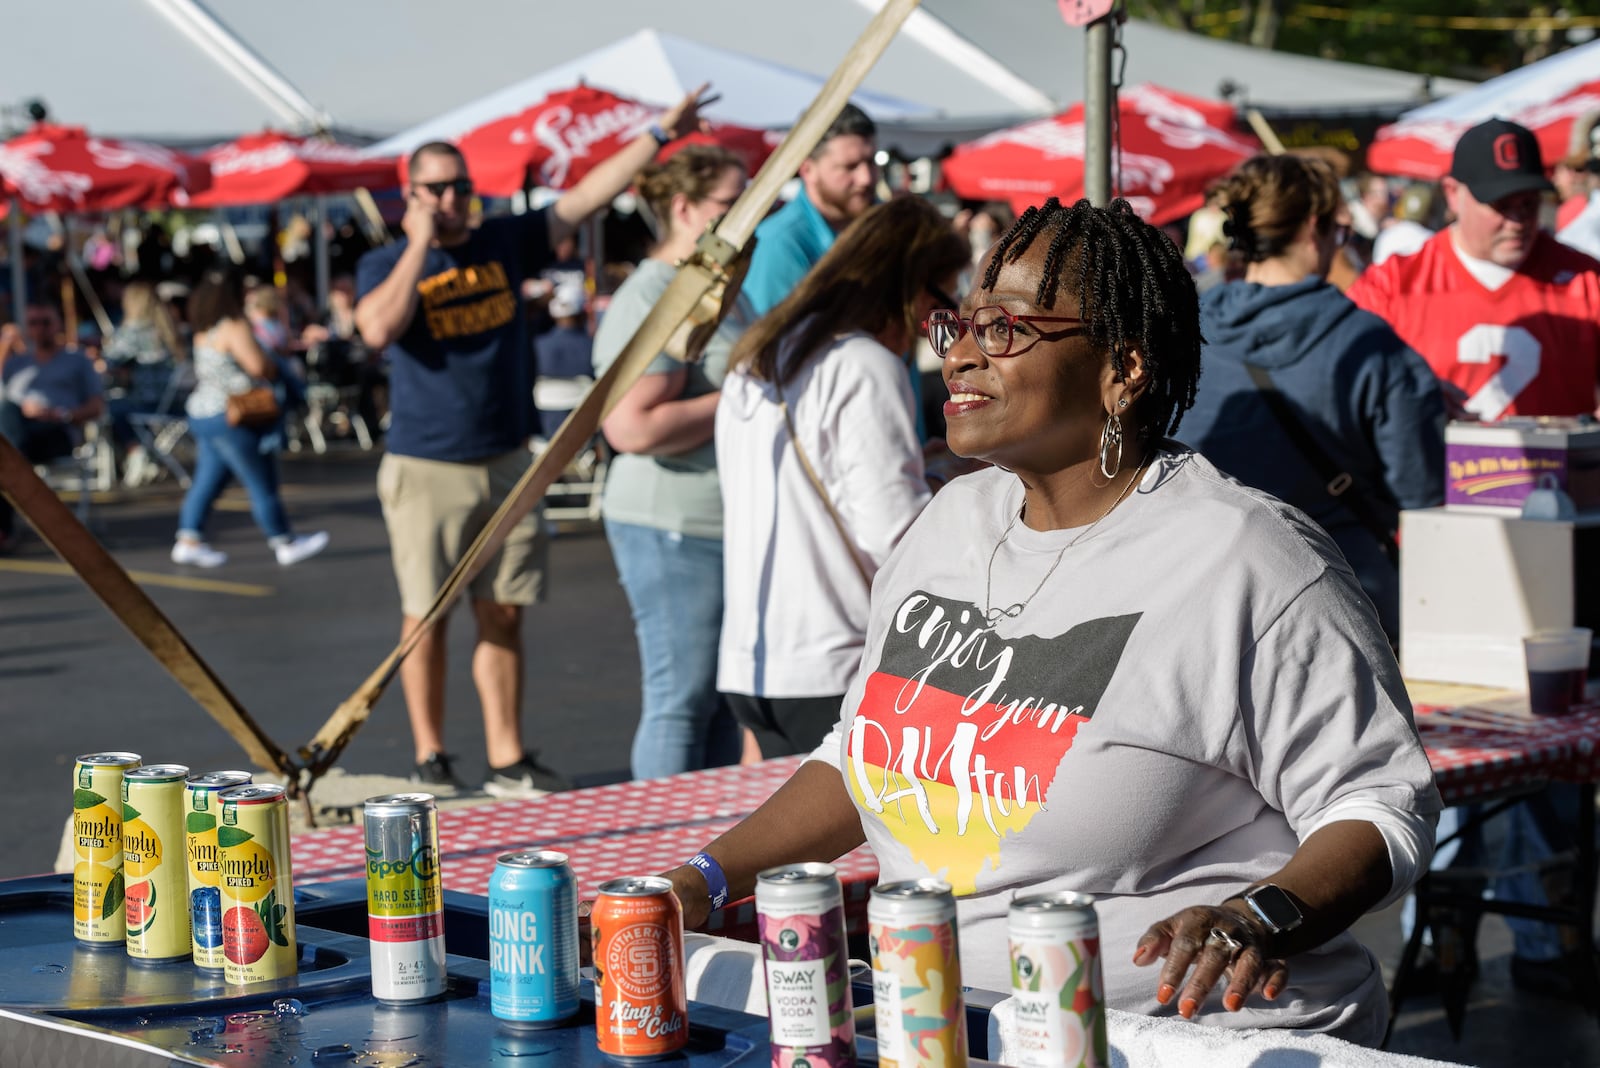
[[1306, 395], [1100, 665]]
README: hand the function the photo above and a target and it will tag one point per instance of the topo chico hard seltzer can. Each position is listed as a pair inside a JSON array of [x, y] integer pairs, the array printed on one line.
[[200, 844], [1056, 982], [533, 939], [916, 975], [97, 879], [257, 885], [800, 915], [641, 1008], [155, 873], [405, 902]]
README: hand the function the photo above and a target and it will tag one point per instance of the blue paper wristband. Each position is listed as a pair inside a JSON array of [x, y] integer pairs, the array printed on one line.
[[716, 879]]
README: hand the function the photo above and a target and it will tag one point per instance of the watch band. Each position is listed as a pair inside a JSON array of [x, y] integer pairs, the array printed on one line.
[[663, 139]]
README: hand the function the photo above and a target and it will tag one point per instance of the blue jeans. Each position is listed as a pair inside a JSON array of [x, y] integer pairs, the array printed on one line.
[[1535, 830], [674, 586], [234, 452]]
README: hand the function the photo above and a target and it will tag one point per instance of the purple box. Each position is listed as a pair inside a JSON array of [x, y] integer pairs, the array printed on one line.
[[1499, 476], [1496, 465]]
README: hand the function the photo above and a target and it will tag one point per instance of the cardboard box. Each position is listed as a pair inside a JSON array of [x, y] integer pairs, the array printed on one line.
[[1496, 465], [1472, 584]]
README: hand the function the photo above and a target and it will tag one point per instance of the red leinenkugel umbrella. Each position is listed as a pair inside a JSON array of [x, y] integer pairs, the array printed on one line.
[[1172, 147], [561, 138], [63, 169], [1422, 142], [270, 166]]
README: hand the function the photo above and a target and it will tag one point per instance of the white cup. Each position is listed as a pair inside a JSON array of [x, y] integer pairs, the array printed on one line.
[[1558, 664]]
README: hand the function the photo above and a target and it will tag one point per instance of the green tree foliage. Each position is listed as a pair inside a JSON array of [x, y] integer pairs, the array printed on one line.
[[1456, 38]]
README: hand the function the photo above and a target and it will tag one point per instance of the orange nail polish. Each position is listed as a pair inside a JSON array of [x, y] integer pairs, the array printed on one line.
[[1232, 1002], [1186, 1007], [1164, 993]]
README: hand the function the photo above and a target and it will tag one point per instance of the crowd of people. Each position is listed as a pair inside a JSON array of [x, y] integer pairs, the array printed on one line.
[[1100, 606]]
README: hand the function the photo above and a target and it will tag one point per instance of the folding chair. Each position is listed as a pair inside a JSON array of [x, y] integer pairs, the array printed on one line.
[[584, 479]]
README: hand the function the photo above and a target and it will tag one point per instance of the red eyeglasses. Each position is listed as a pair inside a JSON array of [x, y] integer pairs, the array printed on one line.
[[994, 329]]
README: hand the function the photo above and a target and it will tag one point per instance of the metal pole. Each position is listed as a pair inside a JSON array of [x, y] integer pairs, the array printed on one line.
[[320, 250], [19, 272], [1097, 113]]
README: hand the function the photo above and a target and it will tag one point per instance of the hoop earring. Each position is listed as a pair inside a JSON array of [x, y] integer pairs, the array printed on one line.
[[1110, 435]]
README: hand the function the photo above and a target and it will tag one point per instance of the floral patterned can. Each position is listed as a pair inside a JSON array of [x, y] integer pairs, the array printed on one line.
[[916, 976], [1056, 982], [800, 913]]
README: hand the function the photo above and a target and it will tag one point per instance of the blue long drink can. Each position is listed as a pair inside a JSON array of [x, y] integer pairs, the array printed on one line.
[[533, 939]]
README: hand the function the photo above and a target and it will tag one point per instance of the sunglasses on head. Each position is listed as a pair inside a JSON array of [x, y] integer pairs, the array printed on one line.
[[462, 186]]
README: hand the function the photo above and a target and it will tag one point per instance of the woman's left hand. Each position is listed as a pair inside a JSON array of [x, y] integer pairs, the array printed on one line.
[[1219, 943]]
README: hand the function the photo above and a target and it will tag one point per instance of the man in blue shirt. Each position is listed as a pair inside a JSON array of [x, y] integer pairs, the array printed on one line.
[[838, 182], [47, 392], [443, 303]]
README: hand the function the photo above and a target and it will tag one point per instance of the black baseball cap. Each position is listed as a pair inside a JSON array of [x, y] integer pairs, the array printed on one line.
[[1497, 158]]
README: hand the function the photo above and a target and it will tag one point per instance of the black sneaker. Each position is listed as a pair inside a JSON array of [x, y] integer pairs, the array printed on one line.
[[526, 778], [435, 771]]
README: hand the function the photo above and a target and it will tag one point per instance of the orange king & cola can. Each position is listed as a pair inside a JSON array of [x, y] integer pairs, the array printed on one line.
[[641, 1005]]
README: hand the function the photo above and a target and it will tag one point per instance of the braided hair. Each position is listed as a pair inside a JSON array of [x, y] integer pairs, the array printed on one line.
[[1135, 292]]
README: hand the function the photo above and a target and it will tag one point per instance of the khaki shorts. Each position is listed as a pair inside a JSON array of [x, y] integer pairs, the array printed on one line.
[[435, 509]]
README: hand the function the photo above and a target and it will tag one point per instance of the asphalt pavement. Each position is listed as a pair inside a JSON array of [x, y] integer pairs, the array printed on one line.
[[292, 643]]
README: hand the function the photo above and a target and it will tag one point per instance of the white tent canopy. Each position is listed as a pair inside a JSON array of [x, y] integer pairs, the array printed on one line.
[[1526, 87], [199, 71], [659, 68], [1032, 39]]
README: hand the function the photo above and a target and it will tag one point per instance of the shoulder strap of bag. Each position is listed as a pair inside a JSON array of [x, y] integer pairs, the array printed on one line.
[[816, 484], [1339, 483]]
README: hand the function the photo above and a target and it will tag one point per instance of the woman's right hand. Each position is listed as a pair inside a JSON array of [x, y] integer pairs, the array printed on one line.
[[694, 895]]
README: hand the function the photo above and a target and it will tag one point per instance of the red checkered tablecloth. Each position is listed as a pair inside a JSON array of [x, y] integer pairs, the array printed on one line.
[[1481, 752], [627, 829], [646, 827]]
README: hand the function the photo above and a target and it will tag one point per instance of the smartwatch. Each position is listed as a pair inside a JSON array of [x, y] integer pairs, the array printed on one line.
[[1273, 907]]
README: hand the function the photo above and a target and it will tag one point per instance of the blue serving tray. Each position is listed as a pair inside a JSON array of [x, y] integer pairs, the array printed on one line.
[[68, 1005]]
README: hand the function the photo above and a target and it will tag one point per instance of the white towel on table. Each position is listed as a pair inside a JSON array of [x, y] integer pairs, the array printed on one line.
[[1157, 1042], [731, 975]]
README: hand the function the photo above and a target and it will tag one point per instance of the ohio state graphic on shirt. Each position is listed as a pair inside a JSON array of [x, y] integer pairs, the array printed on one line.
[[960, 732]]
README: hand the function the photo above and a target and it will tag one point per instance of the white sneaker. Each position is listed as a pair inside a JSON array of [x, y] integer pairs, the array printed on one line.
[[302, 547], [197, 553]]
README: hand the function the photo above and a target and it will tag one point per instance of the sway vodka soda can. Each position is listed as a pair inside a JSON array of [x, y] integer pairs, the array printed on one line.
[[200, 844], [405, 901], [155, 871], [920, 1016], [98, 884], [800, 915], [641, 1007], [533, 939], [257, 885], [1056, 981]]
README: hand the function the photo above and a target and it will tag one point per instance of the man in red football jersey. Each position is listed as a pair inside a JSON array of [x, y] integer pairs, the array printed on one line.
[[1498, 308], [1510, 318]]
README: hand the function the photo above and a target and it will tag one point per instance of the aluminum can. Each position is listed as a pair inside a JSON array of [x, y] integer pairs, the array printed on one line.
[[257, 885], [1056, 981], [800, 915], [641, 1008], [916, 975], [405, 902], [200, 844], [156, 876], [533, 939], [98, 885]]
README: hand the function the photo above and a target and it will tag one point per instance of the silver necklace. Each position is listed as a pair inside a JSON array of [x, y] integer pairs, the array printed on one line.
[[993, 616]]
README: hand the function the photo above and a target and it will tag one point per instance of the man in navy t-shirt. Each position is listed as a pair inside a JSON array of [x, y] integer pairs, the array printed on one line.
[[444, 303]]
